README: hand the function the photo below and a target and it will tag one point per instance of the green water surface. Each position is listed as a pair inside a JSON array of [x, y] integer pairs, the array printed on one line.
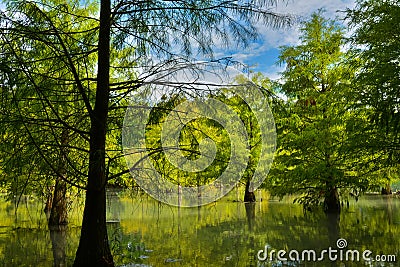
[[143, 232]]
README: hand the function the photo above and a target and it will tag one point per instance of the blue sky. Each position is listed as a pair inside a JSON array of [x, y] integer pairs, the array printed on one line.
[[263, 54]]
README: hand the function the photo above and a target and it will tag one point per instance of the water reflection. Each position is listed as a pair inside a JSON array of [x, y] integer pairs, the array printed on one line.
[[58, 236], [250, 214], [146, 233]]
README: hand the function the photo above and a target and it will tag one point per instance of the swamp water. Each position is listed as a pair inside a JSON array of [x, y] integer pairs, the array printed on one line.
[[143, 232]]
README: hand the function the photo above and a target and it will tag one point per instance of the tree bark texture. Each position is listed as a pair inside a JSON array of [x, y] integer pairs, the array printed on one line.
[[94, 249]]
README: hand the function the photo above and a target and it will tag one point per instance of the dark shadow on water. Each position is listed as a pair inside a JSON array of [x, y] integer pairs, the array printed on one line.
[[251, 220], [199, 213], [58, 242], [333, 227], [250, 214]]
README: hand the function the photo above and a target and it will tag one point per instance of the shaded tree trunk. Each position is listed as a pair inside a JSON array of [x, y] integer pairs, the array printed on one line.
[[332, 201], [249, 196], [93, 247], [49, 201], [58, 211], [387, 190]]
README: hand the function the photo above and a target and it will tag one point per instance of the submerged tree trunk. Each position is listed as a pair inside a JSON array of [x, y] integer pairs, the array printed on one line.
[[250, 214], [333, 226], [93, 247], [58, 242], [249, 196], [332, 201]]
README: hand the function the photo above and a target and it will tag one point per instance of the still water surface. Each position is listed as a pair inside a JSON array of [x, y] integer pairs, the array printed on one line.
[[145, 233]]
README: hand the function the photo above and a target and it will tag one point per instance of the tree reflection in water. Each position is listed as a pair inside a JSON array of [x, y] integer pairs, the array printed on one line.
[[224, 233], [58, 238]]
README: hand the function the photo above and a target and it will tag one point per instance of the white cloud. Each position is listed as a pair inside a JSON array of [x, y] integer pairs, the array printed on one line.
[[253, 50], [303, 10], [274, 38], [273, 71]]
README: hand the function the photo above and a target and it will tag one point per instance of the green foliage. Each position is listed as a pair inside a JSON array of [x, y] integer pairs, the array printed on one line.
[[64, 53], [375, 44], [42, 118], [192, 134], [316, 156], [198, 130], [49, 86]]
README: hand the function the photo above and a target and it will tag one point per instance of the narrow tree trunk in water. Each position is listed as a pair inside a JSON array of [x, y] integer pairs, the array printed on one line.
[[249, 196], [58, 213], [58, 210], [94, 250], [332, 201], [387, 190], [49, 201]]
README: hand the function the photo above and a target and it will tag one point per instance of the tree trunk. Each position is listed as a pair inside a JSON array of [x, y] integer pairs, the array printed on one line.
[[387, 190], [58, 211], [93, 247], [249, 196], [49, 201], [332, 201]]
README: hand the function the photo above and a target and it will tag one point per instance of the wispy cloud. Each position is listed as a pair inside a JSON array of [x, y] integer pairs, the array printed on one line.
[[263, 53], [307, 7]]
